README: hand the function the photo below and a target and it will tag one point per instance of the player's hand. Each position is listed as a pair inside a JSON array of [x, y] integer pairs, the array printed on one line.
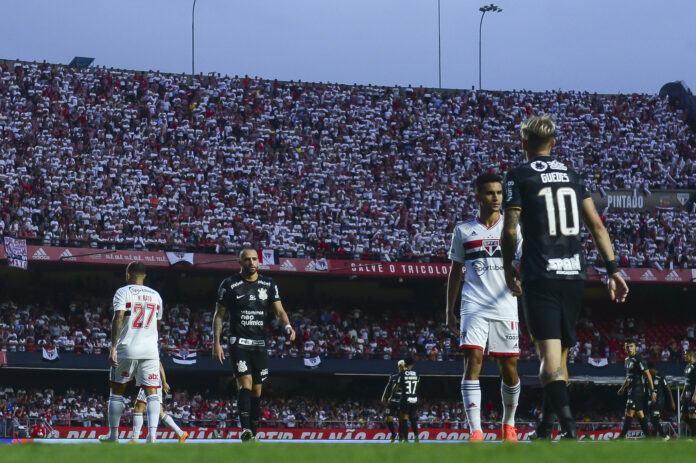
[[452, 323], [653, 395], [384, 401], [618, 289], [693, 399], [113, 358], [513, 280], [620, 391], [218, 354], [291, 333], [166, 388]]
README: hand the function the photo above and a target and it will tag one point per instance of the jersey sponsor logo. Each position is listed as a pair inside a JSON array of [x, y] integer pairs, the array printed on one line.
[[648, 276], [480, 267], [673, 276], [508, 188], [239, 283], [263, 294], [555, 165], [67, 255], [564, 266], [264, 372], [252, 297], [40, 254], [539, 166], [287, 266], [125, 374], [241, 366], [490, 246], [153, 376]]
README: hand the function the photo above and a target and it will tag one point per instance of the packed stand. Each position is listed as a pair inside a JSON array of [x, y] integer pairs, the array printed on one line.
[[329, 332], [22, 409], [106, 157]]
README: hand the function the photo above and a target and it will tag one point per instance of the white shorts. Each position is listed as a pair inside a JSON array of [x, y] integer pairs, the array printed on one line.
[[146, 372], [501, 337], [142, 397]]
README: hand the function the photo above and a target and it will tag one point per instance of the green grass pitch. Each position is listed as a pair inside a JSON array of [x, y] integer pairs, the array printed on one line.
[[618, 451]]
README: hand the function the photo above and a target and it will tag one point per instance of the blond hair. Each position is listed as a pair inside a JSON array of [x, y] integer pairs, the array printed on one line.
[[538, 131]]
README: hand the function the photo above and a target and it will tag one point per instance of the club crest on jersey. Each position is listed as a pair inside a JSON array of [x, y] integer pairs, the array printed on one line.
[[490, 246], [241, 366], [263, 294], [539, 166]]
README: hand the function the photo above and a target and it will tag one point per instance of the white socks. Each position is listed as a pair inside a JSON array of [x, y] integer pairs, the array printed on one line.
[[115, 409], [169, 422], [153, 412], [471, 397], [511, 396], [137, 425]]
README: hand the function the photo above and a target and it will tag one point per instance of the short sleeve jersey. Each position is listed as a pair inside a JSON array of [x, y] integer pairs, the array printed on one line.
[[661, 389], [408, 384], [484, 291], [635, 368], [143, 308], [549, 195], [395, 397], [248, 303], [690, 376]]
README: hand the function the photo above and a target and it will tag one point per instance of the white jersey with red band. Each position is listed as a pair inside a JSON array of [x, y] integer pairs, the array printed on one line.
[[484, 292], [138, 338]]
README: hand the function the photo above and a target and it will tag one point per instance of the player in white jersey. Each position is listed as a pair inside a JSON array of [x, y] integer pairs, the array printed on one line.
[[134, 351], [488, 312], [141, 404]]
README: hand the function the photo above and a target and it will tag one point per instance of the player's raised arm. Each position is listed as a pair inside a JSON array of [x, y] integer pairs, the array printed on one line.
[[508, 246], [218, 353], [283, 317], [618, 289]]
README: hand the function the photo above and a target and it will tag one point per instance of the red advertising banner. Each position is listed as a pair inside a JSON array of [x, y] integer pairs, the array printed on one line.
[[284, 265], [68, 432]]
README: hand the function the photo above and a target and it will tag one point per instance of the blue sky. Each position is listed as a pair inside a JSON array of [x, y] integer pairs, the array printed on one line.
[[606, 46]]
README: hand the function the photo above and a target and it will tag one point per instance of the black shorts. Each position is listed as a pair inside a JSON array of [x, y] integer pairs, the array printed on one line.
[[551, 308], [250, 361], [656, 407], [636, 398], [392, 409], [408, 408], [688, 408]]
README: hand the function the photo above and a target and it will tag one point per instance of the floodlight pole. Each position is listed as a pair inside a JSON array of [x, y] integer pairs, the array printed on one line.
[[484, 9], [193, 38], [439, 49]]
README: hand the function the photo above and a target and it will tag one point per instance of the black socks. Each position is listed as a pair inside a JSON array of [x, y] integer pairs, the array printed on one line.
[[557, 394], [244, 405], [254, 413]]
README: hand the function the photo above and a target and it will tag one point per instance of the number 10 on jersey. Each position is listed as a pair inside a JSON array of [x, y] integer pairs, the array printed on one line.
[[562, 194]]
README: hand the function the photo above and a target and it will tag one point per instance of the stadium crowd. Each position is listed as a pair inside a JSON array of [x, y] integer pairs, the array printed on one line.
[[106, 157], [19, 407], [328, 332]]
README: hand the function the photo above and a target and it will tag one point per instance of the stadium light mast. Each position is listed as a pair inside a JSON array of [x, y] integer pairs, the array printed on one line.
[[485, 9], [193, 39], [439, 49]]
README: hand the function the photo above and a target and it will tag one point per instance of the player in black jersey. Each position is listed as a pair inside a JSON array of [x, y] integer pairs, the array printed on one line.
[[249, 298], [392, 400], [688, 396], [638, 383], [407, 384], [549, 200], [656, 407]]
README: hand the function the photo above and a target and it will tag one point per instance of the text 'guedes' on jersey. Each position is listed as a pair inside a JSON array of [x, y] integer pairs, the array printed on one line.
[[249, 303], [550, 197], [484, 291], [138, 337]]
